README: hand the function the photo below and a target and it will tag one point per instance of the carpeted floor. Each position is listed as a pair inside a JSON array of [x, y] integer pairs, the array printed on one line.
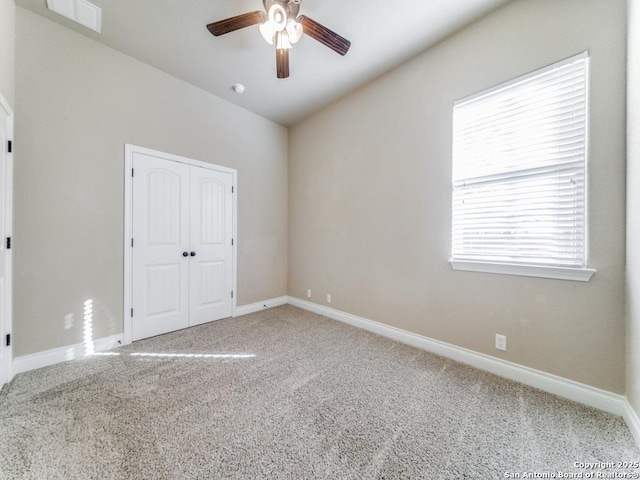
[[287, 394]]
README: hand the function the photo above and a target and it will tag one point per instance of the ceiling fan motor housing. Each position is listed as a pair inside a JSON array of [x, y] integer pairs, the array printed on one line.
[[292, 7]]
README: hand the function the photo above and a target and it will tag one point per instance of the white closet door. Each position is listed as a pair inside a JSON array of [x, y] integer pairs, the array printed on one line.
[[210, 266], [160, 286]]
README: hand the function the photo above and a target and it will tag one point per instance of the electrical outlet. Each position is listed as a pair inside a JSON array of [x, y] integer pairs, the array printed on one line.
[[328, 298], [501, 342], [308, 293]]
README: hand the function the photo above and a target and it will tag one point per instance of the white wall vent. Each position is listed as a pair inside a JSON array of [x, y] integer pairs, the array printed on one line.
[[80, 11]]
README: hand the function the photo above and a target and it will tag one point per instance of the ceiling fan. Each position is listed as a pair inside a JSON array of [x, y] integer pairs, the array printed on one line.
[[281, 26]]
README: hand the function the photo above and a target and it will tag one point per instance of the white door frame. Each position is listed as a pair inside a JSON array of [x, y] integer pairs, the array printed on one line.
[[130, 150], [6, 373]]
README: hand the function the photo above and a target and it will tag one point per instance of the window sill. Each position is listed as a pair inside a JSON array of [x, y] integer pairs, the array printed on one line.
[[559, 273]]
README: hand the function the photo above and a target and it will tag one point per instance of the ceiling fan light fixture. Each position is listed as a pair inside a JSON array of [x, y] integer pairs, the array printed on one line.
[[278, 17], [294, 31], [267, 31]]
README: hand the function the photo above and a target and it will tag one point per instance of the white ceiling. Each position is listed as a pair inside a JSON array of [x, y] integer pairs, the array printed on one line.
[[171, 35]]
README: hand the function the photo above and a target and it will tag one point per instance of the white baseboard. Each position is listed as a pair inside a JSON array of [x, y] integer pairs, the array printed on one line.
[[25, 363], [578, 392], [633, 421], [256, 307]]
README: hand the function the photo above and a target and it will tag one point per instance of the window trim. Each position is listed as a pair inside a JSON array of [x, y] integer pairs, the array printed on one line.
[[580, 274], [558, 273]]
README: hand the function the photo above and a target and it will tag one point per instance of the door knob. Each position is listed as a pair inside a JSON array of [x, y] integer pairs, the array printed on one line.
[[185, 254], [193, 254]]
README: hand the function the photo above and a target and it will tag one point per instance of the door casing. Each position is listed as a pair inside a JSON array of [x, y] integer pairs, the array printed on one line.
[[6, 232], [130, 151]]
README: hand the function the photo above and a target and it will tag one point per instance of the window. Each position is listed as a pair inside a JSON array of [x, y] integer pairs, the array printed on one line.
[[519, 175]]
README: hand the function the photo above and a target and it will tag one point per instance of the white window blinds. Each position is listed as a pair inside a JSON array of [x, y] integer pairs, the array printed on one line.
[[519, 161]]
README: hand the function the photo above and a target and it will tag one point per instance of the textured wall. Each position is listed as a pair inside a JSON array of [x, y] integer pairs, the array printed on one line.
[[7, 34], [370, 198], [80, 102], [633, 208]]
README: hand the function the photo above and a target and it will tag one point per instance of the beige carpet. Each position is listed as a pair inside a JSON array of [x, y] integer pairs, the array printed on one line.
[[287, 394]]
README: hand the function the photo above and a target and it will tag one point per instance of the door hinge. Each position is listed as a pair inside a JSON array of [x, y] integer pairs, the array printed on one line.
[[132, 313], [132, 172], [232, 242], [132, 242], [9, 146], [232, 189], [8, 243], [7, 340], [231, 293]]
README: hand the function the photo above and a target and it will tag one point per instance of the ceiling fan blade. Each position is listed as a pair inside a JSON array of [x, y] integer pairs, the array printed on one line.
[[325, 36], [282, 62], [236, 23]]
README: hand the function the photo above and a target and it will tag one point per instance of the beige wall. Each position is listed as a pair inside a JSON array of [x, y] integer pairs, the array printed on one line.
[[369, 190], [633, 208], [7, 34], [79, 103]]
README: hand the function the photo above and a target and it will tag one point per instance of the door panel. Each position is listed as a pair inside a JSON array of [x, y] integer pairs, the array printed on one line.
[[161, 235], [163, 285], [163, 215], [210, 201], [210, 228], [212, 282]]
